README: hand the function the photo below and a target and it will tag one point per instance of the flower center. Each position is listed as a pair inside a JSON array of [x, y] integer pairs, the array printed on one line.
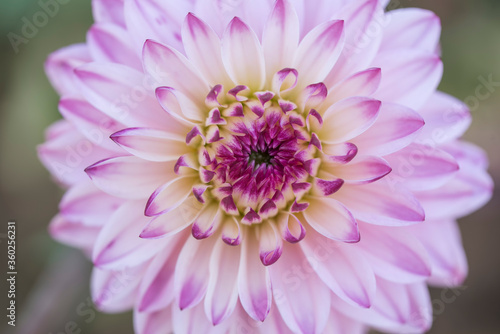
[[257, 152], [257, 158]]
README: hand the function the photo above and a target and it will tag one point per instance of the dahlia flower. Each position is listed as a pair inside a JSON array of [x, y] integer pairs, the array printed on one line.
[[262, 166]]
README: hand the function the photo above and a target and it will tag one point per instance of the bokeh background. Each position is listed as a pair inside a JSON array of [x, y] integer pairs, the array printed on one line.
[[53, 279]]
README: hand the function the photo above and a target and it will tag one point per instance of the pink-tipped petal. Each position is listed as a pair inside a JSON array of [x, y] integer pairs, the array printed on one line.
[[270, 243], [208, 221], [153, 322], [169, 196], [409, 77], [129, 177], [172, 222], [420, 167], [60, 65], [394, 254], [150, 144], [422, 30], [348, 119], [64, 231], [291, 228], [243, 56], [363, 83], [443, 243], [332, 219], [115, 291], [395, 128], [361, 43], [382, 203], [168, 67], [191, 272], [446, 118], [342, 268], [78, 199], [203, 48], [91, 122], [110, 43], [299, 294], [254, 283], [281, 36], [118, 244], [156, 291], [222, 290], [362, 169], [319, 51]]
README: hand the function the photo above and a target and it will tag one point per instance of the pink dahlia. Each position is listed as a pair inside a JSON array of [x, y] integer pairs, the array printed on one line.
[[263, 166]]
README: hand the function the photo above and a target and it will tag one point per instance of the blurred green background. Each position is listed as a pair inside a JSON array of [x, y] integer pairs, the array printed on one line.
[[53, 280]]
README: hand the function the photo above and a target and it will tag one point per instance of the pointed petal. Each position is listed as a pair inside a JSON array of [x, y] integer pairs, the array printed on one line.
[[59, 67], [270, 243], [381, 203], [243, 56], [348, 119], [362, 169], [208, 221], [395, 128], [363, 83], [222, 291], [110, 43], [78, 199], [291, 228], [91, 122], [446, 118], [154, 322], [116, 90], [254, 283], [299, 297], [203, 48], [129, 177], [394, 254], [151, 144], [443, 243], [191, 272], [173, 221], [420, 167], [118, 244], [64, 231], [115, 291], [342, 268], [156, 291], [168, 67], [409, 78], [332, 219], [319, 51], [170, 195], [422, 30], [361, 43], [281, 37], [66, 153]]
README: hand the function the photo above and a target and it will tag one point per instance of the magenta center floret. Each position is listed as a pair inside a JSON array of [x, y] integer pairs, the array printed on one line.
[[260, 158]]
